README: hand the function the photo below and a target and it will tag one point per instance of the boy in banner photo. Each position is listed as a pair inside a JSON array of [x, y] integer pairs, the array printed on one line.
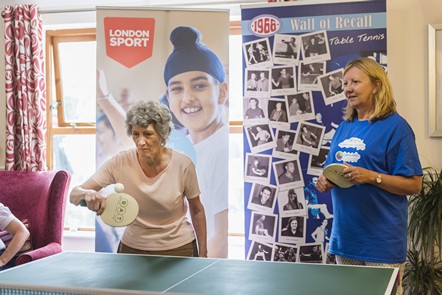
[[196, 94]]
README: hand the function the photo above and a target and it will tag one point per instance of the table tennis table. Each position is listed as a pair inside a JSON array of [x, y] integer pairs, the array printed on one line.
[[110, 273]]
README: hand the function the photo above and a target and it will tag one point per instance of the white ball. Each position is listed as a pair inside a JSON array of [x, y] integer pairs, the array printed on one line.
[[119, 188]]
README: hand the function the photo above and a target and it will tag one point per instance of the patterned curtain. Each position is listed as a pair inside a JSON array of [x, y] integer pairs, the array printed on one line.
[[25, 86]]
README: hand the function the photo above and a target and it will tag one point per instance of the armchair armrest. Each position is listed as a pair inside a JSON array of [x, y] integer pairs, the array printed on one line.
[[49, 249]]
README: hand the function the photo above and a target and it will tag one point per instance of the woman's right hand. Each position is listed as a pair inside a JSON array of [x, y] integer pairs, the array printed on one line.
[[323, 185], [95, 201]]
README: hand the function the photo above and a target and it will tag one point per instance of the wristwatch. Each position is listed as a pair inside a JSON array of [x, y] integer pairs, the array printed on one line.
[[379, 179]]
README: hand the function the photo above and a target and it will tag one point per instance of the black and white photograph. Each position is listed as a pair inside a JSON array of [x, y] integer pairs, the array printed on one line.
[[258, 53], [283, 80], [315, 47], [263, 197], [309, 137], [301, 107], [285, 138], [263, 227], [288, 174], [278, 115], [255, 110], [311, 253], [260, 251], [308, 75], [292, 229], [257, 83], [316, 163], [285, 252], [257, 168], [286, 49], [332, 86], [260, 137], [291, 202]]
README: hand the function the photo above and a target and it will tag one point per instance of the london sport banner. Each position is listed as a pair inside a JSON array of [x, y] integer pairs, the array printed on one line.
[[293, 59], [132, 49]]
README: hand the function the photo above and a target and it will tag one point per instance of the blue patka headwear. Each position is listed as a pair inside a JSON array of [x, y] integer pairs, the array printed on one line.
[[190, 54]]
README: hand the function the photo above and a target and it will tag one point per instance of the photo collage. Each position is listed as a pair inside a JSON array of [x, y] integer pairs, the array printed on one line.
[[280, 124]]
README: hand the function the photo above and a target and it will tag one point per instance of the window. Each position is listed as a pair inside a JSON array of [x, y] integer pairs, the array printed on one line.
[[72, 109]]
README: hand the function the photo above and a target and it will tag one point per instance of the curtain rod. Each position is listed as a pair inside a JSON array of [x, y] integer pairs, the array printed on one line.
[[43, 11], [77, 10], [181, 5]]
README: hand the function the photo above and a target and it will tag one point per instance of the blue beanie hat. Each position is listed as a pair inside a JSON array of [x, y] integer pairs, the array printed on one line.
[[190, 54]]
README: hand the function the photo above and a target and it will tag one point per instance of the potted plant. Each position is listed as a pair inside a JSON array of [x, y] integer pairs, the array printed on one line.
[[423, 268]]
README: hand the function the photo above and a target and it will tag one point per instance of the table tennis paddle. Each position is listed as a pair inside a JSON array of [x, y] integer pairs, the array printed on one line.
[[334, 174], [121, 209]]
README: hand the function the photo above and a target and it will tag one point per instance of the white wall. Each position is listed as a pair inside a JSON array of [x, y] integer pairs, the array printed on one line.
[[79, 241], [407, 39]]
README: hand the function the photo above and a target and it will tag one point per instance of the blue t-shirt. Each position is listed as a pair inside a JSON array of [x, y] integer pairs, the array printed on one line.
[[370, 223]]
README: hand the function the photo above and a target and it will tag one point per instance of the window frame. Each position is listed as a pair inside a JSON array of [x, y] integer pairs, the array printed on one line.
[[53, 39]]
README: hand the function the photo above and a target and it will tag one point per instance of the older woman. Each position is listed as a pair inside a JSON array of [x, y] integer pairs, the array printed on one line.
[[160, 179], [378, 147]]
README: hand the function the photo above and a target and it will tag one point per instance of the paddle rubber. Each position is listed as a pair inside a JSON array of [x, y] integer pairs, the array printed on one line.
[[334, 174], [121, 209]]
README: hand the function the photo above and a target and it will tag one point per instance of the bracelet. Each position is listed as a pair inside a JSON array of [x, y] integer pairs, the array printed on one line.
[[104, 96]]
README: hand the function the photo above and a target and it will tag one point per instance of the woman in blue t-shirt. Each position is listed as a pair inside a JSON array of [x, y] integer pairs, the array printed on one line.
[[378, 148]]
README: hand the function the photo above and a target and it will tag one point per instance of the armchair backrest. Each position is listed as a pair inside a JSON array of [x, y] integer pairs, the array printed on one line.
[[39, 197]]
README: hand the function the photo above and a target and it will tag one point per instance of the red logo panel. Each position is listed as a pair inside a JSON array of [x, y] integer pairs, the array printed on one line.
[[265, 25], [129, 40]]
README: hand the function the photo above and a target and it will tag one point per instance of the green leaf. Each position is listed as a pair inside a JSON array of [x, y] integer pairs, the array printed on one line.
[[423, 269]]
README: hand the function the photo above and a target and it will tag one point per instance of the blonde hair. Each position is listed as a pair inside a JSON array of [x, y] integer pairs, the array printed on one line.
[[384, 103]]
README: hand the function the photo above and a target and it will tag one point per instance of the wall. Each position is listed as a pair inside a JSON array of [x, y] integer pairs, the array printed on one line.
[[79, 241], [408, 68]]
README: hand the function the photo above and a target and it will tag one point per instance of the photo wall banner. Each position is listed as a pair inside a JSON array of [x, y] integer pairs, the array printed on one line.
[[293, 60], [133, 45]]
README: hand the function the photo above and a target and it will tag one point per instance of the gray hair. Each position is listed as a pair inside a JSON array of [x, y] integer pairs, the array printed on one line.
[[144, 113]]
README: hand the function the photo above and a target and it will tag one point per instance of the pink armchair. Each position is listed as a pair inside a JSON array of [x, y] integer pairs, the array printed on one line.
[[41, 198]]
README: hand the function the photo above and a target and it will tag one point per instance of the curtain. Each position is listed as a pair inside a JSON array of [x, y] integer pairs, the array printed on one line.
[[25, 89]]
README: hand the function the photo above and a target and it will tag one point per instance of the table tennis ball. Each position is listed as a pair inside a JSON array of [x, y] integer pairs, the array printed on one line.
[[119, 188]]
